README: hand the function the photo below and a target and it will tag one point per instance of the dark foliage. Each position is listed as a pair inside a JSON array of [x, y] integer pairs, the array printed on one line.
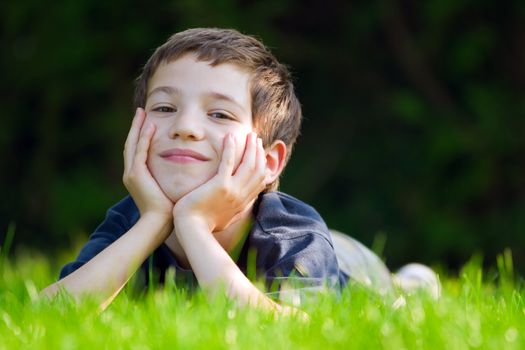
[[415, 114]]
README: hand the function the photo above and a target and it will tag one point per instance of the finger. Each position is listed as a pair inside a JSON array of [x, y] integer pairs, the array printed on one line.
[[132, 138], [261, 169], [141, 155], [134, 131], [256, 182], [250, 150], [247, 164], [260, 162], [227, 158]]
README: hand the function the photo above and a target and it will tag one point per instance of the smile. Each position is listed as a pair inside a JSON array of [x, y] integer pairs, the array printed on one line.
[[183, 156]]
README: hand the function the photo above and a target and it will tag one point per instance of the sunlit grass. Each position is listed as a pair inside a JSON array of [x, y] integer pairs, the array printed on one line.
[[480, 309]]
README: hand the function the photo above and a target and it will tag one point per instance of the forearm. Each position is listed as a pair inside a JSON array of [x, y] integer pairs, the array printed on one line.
[[214, 268], [106, 274]]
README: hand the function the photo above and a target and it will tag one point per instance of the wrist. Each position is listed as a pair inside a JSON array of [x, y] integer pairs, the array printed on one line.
[[160, 223], [158, 215], [185, 223], [185, 214]]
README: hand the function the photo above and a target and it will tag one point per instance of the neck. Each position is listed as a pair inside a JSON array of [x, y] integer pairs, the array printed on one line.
[[230, 238], [235, 233]]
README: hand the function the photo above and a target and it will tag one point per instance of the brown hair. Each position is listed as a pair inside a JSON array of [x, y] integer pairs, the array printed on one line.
[[276, 111]]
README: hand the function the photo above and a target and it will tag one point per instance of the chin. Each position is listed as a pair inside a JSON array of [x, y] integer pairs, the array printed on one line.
[[175, 189], [175, 195], [179, 184]]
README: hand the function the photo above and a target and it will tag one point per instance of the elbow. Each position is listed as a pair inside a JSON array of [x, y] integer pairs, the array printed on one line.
[[50, 291]]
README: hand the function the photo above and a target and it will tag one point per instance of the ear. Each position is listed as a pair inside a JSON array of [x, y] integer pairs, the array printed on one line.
[[275, 157]]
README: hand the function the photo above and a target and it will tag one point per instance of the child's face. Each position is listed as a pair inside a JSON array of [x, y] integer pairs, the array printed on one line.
[[194, 106]]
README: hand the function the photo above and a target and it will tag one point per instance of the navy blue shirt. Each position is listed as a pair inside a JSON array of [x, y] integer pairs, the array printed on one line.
[[289, 238]]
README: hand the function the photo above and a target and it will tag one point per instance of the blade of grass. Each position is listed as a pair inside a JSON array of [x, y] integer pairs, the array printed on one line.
[[4, 249], [378, 245]]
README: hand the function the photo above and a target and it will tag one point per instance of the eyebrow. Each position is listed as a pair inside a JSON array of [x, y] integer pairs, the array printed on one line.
[[172, 90], [169, 90]]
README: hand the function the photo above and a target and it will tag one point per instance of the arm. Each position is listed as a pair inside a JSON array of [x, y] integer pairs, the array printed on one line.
[[302, 264], [108, 271], [213, 266], [106, 274]]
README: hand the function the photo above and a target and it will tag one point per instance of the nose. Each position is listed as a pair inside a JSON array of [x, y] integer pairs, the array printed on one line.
[[186, 125]]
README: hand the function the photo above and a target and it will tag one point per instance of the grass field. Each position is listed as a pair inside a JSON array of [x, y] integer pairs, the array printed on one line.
[[478, 309]]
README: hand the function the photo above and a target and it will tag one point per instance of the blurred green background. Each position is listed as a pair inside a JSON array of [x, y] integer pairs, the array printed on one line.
[[414, 111]]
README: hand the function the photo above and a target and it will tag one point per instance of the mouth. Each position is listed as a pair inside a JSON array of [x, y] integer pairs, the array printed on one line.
[[181, 155]]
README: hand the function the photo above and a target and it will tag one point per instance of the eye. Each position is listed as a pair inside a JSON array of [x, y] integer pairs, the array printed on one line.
[[218, 115], [164, 109]]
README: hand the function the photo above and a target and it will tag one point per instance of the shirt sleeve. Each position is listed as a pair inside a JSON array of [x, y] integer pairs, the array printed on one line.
[[119, 219], [305, 264]]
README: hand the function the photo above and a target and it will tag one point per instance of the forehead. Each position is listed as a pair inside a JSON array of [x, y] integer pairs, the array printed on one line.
[[193, 77]]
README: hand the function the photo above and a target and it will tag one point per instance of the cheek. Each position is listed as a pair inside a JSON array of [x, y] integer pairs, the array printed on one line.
[[159, 131], [153, 146]]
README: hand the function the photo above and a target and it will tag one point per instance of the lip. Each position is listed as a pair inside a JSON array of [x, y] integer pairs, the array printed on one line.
[[182, 155]]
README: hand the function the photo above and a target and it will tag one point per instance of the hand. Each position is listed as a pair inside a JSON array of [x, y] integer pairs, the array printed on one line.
[[144, 189], [222, 199]]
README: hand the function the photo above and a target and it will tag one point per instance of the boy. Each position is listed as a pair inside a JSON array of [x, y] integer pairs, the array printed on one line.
[[216, 121]]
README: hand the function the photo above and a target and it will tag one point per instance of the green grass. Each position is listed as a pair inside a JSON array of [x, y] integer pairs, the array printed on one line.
[[477, 310]]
